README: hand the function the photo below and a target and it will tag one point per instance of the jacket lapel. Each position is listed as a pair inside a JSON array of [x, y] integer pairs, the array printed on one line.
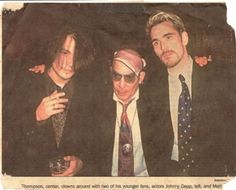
[[108, 122], [109, 125], [196, 92], [199, 98]]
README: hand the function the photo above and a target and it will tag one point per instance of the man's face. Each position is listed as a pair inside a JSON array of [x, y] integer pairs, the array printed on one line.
[[125, 81], [168, 44], [63, 64]]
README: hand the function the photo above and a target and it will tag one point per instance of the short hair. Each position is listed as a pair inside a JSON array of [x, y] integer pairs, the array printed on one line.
[[162, 17], [84, 49]]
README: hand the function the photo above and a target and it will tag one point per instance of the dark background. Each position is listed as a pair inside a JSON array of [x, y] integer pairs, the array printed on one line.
[[111, 26]]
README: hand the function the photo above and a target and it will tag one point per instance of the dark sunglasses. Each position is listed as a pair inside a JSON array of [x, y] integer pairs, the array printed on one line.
[[130, 78]]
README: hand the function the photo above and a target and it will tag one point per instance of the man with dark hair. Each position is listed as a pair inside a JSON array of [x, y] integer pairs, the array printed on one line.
[[55, 108], [193, 95]]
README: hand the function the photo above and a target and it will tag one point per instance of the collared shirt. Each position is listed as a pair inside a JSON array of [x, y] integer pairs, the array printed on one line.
[[140, 168], [51, 87], [175, 89]]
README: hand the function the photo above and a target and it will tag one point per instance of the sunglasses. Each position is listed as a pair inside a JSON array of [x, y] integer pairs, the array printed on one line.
[[130, 78]]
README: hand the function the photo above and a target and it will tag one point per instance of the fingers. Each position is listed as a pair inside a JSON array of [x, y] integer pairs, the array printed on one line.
[[34, 70], [38, 69], [209, 58], [68, 172], [58, 106], [202, 61], [56, 94], [75, 165], [53, 112], [51, 105], [67, 158], [51, 96], [58, 101], [42, 70]]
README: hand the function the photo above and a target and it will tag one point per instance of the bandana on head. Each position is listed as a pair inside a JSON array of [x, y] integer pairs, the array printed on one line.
[[131, 59]]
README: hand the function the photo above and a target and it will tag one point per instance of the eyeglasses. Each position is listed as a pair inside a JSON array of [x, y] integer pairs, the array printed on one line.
[[129, 78]]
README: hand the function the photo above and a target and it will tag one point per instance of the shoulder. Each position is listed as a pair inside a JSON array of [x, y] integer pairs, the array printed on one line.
[[213, 72], [29, 77], [213, 77], [28, 83]]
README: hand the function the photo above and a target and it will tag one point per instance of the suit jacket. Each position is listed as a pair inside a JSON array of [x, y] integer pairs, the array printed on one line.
[[34, 144], [210, 121], [157, 138]]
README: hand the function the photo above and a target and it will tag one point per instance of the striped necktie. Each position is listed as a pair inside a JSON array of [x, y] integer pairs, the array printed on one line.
[[126, 158]]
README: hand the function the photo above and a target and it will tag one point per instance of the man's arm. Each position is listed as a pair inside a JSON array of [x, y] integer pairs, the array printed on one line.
[[201, 60]]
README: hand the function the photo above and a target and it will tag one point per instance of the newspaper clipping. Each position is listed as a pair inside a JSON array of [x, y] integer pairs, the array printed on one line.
[[118, 95]]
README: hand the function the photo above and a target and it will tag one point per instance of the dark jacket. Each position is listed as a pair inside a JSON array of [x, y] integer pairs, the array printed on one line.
[[210, 121], [33, 144], [156, 136]]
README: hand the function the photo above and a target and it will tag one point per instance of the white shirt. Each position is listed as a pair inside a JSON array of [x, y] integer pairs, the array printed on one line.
[[140, 168], [175, 89]]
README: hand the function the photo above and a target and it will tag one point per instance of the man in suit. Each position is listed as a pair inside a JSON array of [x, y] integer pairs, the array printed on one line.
[[194, 97], [133, 139], [55, 108]]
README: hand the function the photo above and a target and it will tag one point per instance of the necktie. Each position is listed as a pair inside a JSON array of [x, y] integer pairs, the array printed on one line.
[[126, 158], [58, 121], [184, 128]]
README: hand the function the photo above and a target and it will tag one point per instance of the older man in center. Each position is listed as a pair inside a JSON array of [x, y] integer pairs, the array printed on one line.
[[133, 140]]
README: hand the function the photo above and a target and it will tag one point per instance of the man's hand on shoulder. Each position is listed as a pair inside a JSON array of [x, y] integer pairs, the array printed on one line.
[[202, 61], [38, 68]]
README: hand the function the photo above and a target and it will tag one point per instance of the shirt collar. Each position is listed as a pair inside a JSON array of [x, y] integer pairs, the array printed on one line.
[[52, 86], [185, 71]]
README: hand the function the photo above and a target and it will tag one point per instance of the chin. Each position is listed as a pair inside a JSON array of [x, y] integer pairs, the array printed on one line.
[[125, 99], [170, 64], [122, 97], [67, 76]]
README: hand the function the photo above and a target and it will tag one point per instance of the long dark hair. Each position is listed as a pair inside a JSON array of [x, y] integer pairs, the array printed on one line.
[[84, 49]]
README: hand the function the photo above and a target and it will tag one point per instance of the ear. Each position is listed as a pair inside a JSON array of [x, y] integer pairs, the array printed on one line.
[[184, 36], [141, 77]]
